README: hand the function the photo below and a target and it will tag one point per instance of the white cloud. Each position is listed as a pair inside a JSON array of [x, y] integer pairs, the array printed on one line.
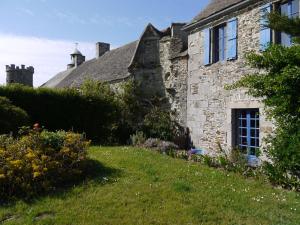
[[48, 57], [26, 11]]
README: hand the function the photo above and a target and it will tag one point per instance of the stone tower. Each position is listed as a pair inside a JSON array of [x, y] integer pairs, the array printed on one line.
[[19, 75]]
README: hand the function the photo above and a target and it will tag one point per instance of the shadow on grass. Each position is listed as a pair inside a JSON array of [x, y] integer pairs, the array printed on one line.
[[93, 172]]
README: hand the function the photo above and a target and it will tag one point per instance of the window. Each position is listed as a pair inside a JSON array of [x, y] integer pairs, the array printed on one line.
[[248, 130], [265, 32], [290, 9], [220, 43]]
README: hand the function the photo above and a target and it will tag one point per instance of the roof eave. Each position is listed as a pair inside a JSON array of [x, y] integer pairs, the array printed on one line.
[[189, 27]]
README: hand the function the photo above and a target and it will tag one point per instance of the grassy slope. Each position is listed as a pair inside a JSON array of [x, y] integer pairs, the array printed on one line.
[[141, 187]]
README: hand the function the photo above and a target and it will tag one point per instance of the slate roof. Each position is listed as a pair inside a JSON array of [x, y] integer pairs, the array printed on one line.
[[214, 7], [54, 81], [113, 65]]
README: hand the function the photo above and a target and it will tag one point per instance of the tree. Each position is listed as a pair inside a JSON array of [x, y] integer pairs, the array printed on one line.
[[11, 117], [278, 83]]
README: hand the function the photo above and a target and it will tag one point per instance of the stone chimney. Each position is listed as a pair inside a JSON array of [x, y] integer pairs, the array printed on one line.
[[101, 49]]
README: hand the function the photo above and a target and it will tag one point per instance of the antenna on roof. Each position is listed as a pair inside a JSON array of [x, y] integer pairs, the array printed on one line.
[[76, 45]]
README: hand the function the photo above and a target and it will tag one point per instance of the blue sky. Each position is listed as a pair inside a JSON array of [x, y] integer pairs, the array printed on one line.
[[42, 32]]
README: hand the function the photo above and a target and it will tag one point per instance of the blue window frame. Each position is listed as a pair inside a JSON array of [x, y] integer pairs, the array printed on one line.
[[248, 130]]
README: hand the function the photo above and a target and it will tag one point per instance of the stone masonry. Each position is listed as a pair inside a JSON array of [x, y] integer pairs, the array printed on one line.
[[20, 75], [210, 107]]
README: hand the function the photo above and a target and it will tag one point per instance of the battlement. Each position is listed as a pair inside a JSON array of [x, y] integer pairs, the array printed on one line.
[[13, 67], [21, 75]]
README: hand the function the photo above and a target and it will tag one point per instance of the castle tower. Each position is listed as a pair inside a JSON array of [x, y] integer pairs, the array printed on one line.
[[19, 75], [77, 58]]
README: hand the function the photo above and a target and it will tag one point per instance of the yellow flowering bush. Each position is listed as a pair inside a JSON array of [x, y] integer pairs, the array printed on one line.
[[40, 161]]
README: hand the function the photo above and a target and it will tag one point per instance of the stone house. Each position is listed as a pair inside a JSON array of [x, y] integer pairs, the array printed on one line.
[[190, 65], [157, 61], [219, 38]]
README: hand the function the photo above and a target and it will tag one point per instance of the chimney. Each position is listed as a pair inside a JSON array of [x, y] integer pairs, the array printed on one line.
[[101, 49]]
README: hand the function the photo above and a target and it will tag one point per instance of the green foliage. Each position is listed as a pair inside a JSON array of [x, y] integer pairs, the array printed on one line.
[[132, 111], [97, 89], [11, 116], [153, 189], [285, 153], [285, 24], [138, 138], [159, 124], [39, 162], [278, 83], [67, 109]]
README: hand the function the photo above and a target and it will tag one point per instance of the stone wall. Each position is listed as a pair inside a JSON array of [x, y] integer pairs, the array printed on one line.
[[174, 74], [209, 106]]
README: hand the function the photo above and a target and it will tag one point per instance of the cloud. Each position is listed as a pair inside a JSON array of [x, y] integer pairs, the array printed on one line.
[[26, 11], [48, 57]]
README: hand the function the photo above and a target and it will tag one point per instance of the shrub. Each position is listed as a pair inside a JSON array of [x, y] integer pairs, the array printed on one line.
[[67, 109], [159, 124], [285, 168], [138, 138], [165, 147], [11, 116], [38, 162]]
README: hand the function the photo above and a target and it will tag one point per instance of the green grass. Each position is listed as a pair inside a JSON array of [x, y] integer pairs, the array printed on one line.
[[141, 187]]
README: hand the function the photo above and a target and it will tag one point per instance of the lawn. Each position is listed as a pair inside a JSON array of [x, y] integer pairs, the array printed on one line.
[[142, 187]]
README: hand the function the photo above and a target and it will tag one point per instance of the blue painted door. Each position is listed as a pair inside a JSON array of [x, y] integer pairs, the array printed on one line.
[[248, 131]]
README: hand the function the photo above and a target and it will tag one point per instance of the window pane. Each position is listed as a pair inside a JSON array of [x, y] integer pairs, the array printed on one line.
[[221, 34], [286, 39], [284, 9], [243, 114], [253, 132], [253, 123], [295, 8], [253, 142], [244, 123], [244, 132], [265, 38]]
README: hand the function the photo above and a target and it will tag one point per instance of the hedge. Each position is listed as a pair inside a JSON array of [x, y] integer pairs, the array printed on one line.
[[66, 109]]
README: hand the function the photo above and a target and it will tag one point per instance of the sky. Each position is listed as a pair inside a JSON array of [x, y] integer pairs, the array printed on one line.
[[43, 33]]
